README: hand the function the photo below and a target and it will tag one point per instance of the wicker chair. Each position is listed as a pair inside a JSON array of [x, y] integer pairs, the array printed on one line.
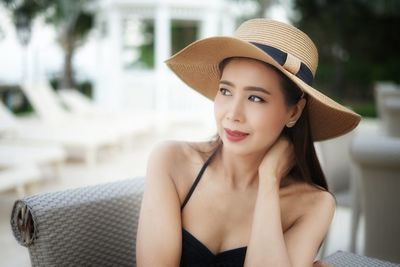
[[89, 226], [96, 226]]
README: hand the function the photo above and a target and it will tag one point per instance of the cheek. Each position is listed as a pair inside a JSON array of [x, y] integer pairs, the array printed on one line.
[[269, 122], [218, 108]]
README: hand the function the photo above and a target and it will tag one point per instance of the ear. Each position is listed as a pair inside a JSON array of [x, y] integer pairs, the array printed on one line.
[[295, 112]]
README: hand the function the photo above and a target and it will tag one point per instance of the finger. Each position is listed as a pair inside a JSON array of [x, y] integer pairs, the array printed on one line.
[[321, 264]]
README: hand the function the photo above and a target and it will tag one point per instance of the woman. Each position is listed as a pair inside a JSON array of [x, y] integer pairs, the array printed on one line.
[[257, 194]]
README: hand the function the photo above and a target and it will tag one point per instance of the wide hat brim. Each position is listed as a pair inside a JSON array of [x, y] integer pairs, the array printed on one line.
[[198, 66]]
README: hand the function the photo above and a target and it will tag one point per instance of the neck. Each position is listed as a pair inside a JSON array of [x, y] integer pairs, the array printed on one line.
[[239, 171]]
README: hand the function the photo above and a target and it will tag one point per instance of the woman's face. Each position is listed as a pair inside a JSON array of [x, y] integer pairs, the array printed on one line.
[[250, 100]]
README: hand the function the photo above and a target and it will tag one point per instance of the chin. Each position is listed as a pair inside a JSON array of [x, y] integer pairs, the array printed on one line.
[[245, 147], [241, 148]]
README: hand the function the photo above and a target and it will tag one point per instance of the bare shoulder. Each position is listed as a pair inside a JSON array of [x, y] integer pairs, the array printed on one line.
[[177, 157], [302, 200], [319, 206], [315, 198], [166, 155], [165, 149], [319, 200]]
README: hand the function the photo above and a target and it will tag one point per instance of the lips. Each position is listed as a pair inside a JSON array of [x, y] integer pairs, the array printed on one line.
[[235, 136]]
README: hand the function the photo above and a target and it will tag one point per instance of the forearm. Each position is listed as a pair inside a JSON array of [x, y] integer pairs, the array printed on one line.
[[267, 245]]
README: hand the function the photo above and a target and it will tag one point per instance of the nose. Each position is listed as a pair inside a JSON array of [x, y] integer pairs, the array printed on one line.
[[235, 111]]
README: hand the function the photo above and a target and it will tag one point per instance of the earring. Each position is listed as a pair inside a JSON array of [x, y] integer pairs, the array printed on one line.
[[290, 124]]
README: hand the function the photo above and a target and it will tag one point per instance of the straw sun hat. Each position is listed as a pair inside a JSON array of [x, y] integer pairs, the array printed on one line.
[[287, 48]]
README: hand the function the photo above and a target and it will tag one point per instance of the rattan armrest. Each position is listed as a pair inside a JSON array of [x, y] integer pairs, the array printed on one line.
[[346, 259], [89, 226]]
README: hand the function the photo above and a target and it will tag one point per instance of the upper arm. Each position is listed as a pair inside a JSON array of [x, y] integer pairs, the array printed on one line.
[[159, 230], [304, 238]]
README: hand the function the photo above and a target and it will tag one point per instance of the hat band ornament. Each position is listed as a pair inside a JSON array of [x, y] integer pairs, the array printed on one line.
[[289, 62]]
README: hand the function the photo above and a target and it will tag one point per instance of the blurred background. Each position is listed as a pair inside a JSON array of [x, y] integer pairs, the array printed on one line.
[[85, 96]]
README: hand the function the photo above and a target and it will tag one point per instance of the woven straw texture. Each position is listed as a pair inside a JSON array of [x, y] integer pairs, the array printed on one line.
[[282, 36], [345, 259], [90, 226]]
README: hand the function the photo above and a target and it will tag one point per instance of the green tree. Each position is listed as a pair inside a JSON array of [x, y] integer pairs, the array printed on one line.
[[358, 43], [72, 20], [23, 13]]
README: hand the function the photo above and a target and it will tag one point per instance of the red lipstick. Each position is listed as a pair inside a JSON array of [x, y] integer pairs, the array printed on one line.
[[235, 136]]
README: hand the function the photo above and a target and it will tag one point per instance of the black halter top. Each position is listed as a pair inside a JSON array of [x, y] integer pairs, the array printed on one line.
[[195, 253]]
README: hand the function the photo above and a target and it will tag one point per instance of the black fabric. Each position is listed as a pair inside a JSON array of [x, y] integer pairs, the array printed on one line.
[[197, 180], [304, 72], [195, 253]]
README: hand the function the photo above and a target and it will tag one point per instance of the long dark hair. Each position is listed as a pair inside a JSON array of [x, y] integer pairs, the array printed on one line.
[[307, 167]]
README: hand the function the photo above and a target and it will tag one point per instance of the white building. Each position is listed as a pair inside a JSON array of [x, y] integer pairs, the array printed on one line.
[[126, 77], [124, 54]]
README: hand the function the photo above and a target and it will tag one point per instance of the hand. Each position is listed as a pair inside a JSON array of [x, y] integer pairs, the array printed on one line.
[[278, 160]]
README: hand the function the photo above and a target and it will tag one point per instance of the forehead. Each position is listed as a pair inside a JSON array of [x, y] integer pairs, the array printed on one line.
[[251, 71]]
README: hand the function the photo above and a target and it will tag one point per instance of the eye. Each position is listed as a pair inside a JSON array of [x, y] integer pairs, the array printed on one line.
[[254, 98], [225, 91]]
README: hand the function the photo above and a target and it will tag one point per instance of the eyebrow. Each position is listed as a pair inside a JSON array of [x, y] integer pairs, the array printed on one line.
[[247, 88]]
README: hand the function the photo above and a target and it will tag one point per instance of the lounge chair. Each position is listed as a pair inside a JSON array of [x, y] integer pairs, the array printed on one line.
[[8, 124], [48, 106], [81, 104], [77, 142], [46, 157], [24, 161], [17, 177]]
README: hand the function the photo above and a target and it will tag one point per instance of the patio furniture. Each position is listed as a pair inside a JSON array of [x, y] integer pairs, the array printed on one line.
[[387, 100], [7, 122], [96, 226], [49, 107], [392, 119], [46, 157], [17, 177], [99, 223], [24, 162], [78, 103], [130, 123], [346, 259], [336, 163], [377, 158], [76, 142]]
